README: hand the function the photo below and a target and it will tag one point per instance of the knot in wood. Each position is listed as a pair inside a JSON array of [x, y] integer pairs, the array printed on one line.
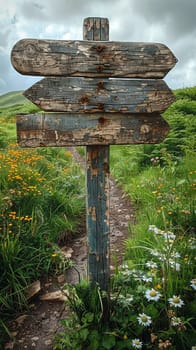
[[145, 129], [30, 50]]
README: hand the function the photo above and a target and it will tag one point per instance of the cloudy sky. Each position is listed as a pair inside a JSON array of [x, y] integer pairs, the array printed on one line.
[[171, 22]]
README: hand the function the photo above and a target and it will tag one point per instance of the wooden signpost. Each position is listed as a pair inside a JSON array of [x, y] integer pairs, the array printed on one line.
[[97, 93]]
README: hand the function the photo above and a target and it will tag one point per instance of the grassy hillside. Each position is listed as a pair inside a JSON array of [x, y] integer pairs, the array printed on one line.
[[11, 104], [12, 98], [14, 103]]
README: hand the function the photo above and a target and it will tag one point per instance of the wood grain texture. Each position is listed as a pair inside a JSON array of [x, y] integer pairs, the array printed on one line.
[[97, 184], [92, 58], [86, 95], [97, 177], [59, 130]]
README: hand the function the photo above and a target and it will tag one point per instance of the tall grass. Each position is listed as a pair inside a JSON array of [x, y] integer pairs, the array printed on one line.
[[41, 203]]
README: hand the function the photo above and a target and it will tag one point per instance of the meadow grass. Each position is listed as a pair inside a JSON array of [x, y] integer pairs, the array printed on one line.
[[152, 302], [152, 298]]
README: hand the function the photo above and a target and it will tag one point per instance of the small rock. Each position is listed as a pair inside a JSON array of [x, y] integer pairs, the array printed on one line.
[[54, 296], [67, 252], [33, 289], [48, 284], [61, 279], [9, 346], [35, 338], [21, 319], [48, 342]]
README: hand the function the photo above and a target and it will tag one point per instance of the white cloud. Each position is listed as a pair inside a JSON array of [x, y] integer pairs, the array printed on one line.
[[171, 22]]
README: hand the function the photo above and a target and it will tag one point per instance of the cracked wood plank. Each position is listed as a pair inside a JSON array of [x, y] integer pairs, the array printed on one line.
[[59, 130], [82, 95], [92, 58]]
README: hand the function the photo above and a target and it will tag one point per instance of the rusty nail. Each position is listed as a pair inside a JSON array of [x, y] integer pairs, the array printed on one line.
[[101, 120], [101, 105], [99, 68], [100, 84], [84, 99], [100, 48]]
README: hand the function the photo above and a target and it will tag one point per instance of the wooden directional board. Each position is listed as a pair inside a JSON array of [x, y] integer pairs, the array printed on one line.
[[92, 58], [84, 95], [56, 130], [93, 76]]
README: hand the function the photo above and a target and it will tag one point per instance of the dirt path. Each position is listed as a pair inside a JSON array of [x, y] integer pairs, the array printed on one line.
[[36, 328]]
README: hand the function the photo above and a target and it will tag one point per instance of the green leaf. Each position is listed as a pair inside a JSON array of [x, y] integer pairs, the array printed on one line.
[[94, 339], [84, 334], [108, 341]]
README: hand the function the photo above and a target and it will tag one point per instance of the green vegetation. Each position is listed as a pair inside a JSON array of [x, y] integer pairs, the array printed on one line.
[[41, 205], [11, 104], [152, 303]]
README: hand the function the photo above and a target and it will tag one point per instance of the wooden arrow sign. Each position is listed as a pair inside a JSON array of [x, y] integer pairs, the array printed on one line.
[[92, 58], [56, 129], [82, 95]]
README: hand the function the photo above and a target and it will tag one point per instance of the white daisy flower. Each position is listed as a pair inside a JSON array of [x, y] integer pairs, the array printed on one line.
[[144, 320], [176, 301], [175, 255], [176, 321], [193, 283], [130, 298], [155, 252], [137, 344], [152, 228], [151, 264], [152, 294], [146, 279], [174, 265]]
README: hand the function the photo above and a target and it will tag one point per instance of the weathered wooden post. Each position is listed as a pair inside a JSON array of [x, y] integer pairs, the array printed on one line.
[[97, 179], [92, 110]]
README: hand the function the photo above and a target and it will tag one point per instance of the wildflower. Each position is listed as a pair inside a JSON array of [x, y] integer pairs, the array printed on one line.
[[54, 255], [146, 278], [151, 264], [137, 344], [153, 337], [175, 255], [130, 298], [152, 294], [144, 320], [176, 301], [171, 313], [175, 321], [169, 236], [164, 344], [152, 228], [158, 286], [193, 347], [174, 265], [193, 283]]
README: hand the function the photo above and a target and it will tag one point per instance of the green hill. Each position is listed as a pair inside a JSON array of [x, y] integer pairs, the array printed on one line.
[[13, 103], [12, 98]]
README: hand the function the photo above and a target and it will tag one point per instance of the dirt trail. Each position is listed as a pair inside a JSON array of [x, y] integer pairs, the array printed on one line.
[[37, 328]]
